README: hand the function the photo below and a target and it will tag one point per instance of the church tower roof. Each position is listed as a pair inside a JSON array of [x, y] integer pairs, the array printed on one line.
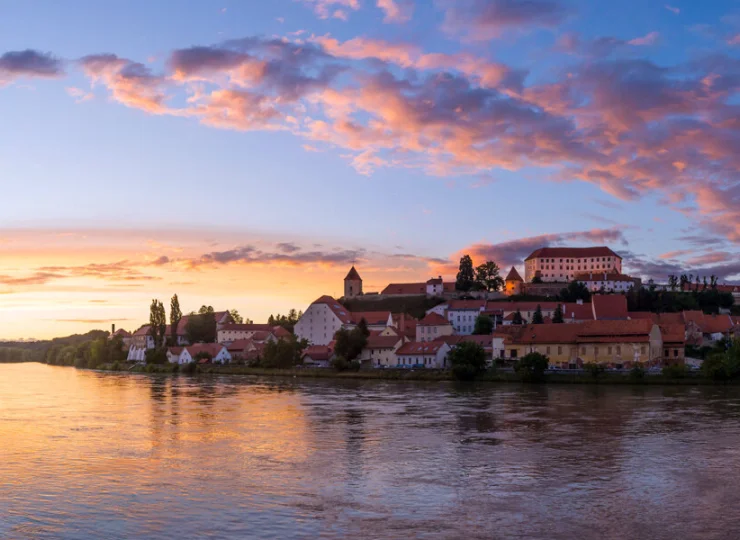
[[514, 275], [353, 275]]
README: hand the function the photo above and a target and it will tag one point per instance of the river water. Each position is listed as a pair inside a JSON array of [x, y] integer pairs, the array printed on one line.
[[100, 455]]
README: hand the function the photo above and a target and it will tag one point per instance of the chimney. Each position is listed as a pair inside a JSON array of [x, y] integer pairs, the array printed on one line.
[[112, 329]]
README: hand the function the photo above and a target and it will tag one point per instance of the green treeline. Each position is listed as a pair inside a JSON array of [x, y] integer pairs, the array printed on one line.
[[81, 350]]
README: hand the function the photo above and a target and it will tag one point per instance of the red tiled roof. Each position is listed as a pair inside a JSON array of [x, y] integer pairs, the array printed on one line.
[[143, 331], [435, 281], [280, 332], [572, 252], [353, 274], [466, 304], [609, 306], [338, 309], [669, 318], [383, 342], [716, 324], [574, 311], [318, 352], [434, 319], [248, 327], [587, 332], [643, 315], [121, 332], [694, 316], [521, 306], [673, 333], [175, 350], [211, 348], [514, 275], [420, 348], [373, 318], [405, 288]]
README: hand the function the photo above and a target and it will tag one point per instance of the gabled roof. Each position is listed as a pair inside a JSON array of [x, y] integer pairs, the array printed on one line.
[[573, 311], [475, 305], [338, 309], [572, 252], [434, 319], [673, 333], [416, 348], [248, 327], [318, 352], [405, 288], [521, 306], [143, 331], [353, 275], [383, 342], [373, 318], [514, 275], [211, 348], [716, 324], [609, 307]]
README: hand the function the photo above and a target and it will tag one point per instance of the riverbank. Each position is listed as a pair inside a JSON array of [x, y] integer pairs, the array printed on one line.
[[411, 375]]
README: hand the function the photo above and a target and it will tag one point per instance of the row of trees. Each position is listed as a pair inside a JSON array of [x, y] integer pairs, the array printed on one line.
[[87, 354], [684, 282], [286, 321], [485, 277]]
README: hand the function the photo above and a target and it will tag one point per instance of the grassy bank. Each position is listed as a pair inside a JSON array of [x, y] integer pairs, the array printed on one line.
[[405, 375]]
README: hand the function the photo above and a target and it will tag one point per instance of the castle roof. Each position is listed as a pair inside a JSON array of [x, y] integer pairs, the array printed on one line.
[[572, 252]]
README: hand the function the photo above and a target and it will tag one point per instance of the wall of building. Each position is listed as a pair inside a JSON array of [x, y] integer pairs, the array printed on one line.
[[318, 325], [562, 269]]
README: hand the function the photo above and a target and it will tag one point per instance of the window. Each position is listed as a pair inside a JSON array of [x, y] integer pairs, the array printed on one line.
[[609, 350], [596, 351], [548, 350], [560, 350], [513, 353], [665, 352], [583, 350], [619, 349], [642, 349]]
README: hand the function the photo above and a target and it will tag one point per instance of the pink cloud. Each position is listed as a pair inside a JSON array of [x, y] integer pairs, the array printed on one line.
[[396, 11], [488, 19], [29, 64], [647, 39]]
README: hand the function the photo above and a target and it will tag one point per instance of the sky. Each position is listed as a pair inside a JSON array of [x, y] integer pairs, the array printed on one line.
[[244, 154]]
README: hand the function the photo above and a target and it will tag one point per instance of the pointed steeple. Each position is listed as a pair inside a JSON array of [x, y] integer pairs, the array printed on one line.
[[353, 275]]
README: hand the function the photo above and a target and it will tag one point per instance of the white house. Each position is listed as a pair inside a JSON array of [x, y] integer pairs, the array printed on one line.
[[435, 287], [562, 264], [433, 327], [229, 333], [184, 355], [380, 351], [321, 320], [432, 354], [463, 313], [439, 309], [608, 281]]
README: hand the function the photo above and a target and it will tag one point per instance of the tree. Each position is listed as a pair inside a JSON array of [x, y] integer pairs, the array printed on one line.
[[286, 321], [362, 326], [537, 317], [704, 284], [518, 319], [531, 367], [283, 354], [158, 323], [557, 316], [238, 319], [683, 280], [536, 280], [175, 318], [466, 275], [467, 360], [575, 291], [696, 287], [672, 282], [483, 325], [202, 328], [487, 276], [713, 281], [349, 343]]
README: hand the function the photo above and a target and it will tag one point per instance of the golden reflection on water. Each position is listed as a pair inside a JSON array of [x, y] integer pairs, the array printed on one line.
[[86, 454]]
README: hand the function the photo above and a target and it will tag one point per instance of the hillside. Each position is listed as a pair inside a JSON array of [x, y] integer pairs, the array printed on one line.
[[416, 306]]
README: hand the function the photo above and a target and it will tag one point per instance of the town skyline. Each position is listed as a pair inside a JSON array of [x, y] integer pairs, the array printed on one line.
[[245, 156]]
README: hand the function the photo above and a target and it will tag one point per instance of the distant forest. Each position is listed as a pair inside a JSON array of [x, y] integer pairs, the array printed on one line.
[[42, 351]]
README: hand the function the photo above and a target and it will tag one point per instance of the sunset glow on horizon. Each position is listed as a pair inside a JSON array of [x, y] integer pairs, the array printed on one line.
[[245, 154]]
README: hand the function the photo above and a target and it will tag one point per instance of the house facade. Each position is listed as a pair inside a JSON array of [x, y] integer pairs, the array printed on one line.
[[321, 320], [432, 327], [380, 351], [563, 264], [462, 315], [430, 355], [606, 281]]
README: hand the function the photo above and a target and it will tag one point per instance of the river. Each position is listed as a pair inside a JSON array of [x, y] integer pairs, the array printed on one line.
[[86, 454]]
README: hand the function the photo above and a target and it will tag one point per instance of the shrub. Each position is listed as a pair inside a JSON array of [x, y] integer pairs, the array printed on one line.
[[594, 369], [637, 373], [468, 360], [115, 367], [156, 356], [674, 372], [531, 367], [340, 363], [190, 368], [80, 363]]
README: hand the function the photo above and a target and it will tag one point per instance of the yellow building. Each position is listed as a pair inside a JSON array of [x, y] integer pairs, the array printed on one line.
[[617, 344]]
